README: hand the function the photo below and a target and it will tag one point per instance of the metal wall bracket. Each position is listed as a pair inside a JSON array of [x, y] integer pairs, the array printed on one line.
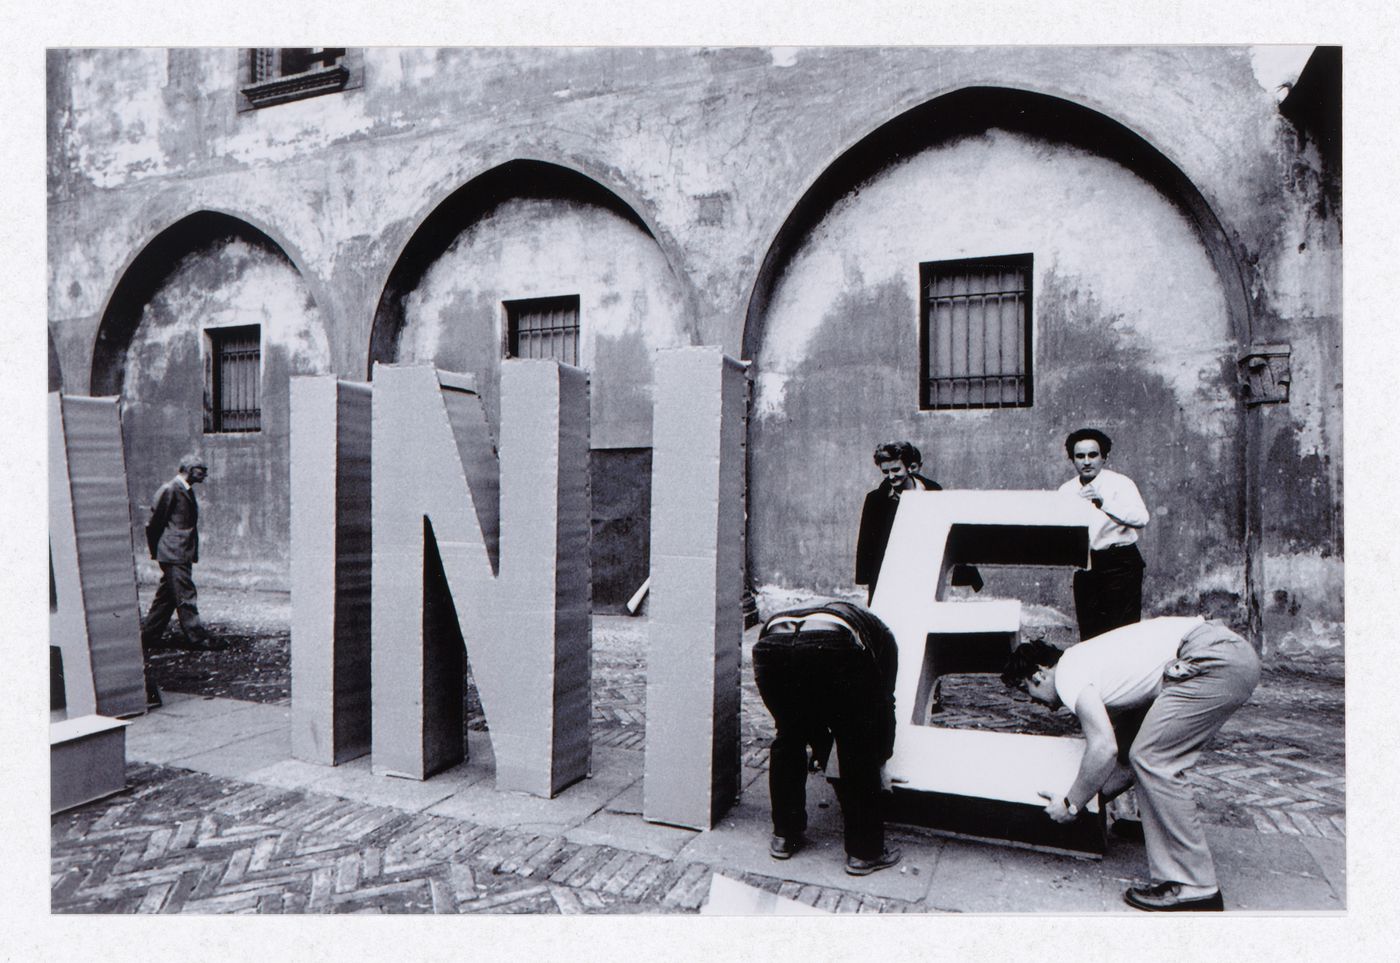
[[1265, 374]]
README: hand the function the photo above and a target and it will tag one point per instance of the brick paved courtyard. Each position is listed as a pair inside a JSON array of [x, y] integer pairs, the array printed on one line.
[[185, 841]]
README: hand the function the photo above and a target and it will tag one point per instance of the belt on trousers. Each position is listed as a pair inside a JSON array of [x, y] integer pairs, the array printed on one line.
[[830, 626]]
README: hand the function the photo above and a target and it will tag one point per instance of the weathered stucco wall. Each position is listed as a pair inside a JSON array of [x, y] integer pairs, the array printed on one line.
[[244, 528], [1299, 294], [1130, 334], [629, 304], [712, 150]]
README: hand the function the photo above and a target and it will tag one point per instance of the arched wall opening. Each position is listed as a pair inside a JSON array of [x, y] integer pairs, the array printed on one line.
[[200, 338], [527, 232], [1137, 311]]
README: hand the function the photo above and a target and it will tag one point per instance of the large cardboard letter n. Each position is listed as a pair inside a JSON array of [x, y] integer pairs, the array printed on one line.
[[495, 558]]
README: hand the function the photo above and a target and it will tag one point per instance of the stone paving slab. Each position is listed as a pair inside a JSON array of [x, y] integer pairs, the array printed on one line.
[[1263, 873], [740, 842], [985, 878], [354, 780], [244, 758], [481, 802], [630, 831], [1331, 857], [208, 725]]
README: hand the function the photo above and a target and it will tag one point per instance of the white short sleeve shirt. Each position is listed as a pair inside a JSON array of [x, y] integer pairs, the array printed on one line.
[[1124, 665]]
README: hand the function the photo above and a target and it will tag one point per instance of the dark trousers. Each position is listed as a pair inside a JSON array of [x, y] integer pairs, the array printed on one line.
[[1108, 595], [175, 595], [813, 682]]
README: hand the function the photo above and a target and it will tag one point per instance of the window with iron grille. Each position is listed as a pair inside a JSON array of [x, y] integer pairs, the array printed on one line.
[[975, 333], [275, 75], [543, 328], [235, 369]]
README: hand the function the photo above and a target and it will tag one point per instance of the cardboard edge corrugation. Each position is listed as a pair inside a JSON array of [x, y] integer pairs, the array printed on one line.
[[331, 710], [67, 620], [351, 700], [691, 772], [100, 510], [572, 697], [396, 637]]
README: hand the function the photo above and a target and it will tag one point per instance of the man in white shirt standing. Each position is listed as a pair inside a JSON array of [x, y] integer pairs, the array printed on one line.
[[1109, 592], [1190, 675]]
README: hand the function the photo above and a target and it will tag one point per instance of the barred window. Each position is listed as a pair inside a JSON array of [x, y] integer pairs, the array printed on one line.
[[543, 328], [275, 75], [234, 369], [975, 333]]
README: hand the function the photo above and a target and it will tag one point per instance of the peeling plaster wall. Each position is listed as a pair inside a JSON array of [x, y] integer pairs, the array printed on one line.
[[1130, 333], [1299, 292], [244, 519], [629, 304], [713, 148]]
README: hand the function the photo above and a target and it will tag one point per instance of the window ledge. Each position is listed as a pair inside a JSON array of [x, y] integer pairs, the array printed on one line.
[[280, 90]]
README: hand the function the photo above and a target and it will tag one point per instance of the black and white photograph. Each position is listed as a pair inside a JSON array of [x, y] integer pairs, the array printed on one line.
[[697, 479]]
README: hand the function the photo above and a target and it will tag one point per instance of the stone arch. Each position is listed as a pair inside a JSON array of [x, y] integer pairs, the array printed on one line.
[[207, 272], [529, 228], [152, 264], [444, 219], [936, 137], [972, 110]]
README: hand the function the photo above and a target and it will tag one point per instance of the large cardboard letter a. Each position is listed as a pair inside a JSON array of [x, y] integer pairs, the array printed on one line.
[[450, 566]]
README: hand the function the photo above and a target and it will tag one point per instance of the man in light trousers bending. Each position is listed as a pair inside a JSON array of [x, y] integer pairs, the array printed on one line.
[[1190, 675]]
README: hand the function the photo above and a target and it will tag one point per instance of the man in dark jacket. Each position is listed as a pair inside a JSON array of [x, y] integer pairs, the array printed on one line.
[[899, 462], [828, 671], [172, 535]]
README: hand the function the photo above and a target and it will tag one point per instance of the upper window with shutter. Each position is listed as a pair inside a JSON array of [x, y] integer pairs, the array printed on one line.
[[975, 333], [276, 75]]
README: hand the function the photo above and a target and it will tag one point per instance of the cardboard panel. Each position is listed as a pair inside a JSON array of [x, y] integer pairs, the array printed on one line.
[[87, 460], [697, 556], [87, 760], [353, 533], [67, 621], [1030, 528], [330, 553], [526, 629]]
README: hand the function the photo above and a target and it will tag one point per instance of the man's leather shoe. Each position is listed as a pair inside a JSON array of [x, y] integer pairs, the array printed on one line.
[[855, 866], [1166, 897], [206, 644], [782, 847]]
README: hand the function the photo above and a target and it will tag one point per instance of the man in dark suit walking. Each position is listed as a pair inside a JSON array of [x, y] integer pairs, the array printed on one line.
[[172, 535]]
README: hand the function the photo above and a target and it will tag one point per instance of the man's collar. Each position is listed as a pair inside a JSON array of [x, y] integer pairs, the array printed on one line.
[[184, 481]]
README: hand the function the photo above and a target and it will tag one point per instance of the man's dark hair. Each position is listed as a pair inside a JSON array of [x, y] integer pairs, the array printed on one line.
[[1026, 659], [901, 450], [1104, 442]]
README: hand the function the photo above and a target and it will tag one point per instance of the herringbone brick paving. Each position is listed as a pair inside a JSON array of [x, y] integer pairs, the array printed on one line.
[[180, 841], [184, 842]]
